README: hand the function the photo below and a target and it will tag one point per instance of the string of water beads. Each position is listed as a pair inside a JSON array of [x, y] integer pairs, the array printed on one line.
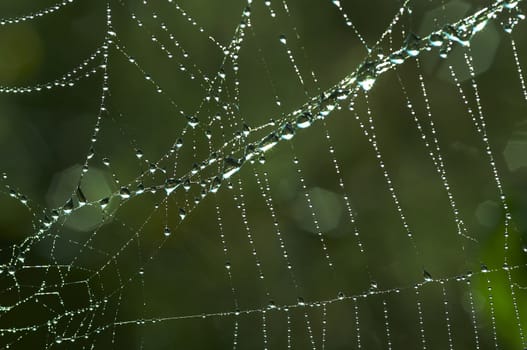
[[32, 240], [480, 125], [349, 23], [312, 211], [441, 170], [182, 67], [324, 326], [285, 308], [69, 79], [387, 324], [434, 151], [519, 69], [229, 51], [142, 312], [309, 328], [368, 129], [357, 322], [110, 33], [327, 135], [34, 15], [240, 203], [473, 316], [288, 322], [287, 133], [447, 317], [492, 313], [226, 253], [265, 190], [421, 319], [264, 330], [221, 75]]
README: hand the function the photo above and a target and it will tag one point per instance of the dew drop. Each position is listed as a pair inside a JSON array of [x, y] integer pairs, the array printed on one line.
[[68, 207], [124, 193], [246, 130], [231, 166], [366, 75], [55, 214], [460, 35], [192, 121], [287, 132], [445, 50], [304, 120], [179, 142], [195, 169], [412, 44], [396, 58], [250, 151], [427, 276], [47, 221], [81, 197], [435, 39], [104, 202], [186, 185], [373, 285], [216, 183], [480, 26], [367, 83], [182, 213], [268, 142], [484, 268], [170, 185]]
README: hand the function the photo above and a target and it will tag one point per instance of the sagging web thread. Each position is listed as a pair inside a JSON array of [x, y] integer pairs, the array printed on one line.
[[231, 146]]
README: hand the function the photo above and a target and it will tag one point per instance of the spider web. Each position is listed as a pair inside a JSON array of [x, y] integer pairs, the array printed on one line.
[[264, 174]]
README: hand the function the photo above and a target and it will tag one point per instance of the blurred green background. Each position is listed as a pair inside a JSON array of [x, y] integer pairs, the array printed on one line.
[[110, 278]]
